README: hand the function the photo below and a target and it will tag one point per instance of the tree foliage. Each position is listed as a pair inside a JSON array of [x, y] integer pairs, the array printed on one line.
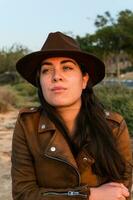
[[112, 36], [9, 57]]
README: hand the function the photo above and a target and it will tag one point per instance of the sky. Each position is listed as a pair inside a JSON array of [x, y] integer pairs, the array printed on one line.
[[28, 22]]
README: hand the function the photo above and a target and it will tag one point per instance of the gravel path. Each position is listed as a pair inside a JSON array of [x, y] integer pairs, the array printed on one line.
[[7, 122]]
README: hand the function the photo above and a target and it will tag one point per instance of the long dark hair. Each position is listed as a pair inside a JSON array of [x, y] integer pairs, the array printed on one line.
[[93, 132]]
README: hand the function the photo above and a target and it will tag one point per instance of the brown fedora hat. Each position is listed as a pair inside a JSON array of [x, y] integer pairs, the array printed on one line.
[[59, 45]]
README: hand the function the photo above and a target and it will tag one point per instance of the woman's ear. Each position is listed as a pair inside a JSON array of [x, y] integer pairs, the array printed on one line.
[[85, 80]]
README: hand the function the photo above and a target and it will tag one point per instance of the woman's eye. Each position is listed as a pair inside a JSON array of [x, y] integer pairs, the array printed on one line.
[[45, 71], [67, 68]]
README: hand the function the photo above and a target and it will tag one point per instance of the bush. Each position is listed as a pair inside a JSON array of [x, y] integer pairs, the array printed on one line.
[[4, 107], [118, 99], [27, 90], [17, 96], [8, 98]]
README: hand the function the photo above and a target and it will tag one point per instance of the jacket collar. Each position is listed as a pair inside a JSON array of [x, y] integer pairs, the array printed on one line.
[[57, 147], [45, 124]]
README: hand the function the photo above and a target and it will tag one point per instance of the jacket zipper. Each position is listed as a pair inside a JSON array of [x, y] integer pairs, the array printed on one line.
[[69, 193], [60, 160]]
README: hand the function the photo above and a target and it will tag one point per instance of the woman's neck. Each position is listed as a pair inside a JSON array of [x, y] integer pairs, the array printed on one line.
[[69, 114]]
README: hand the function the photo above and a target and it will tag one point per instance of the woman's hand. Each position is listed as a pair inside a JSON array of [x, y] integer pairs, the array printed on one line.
[[110, 191]]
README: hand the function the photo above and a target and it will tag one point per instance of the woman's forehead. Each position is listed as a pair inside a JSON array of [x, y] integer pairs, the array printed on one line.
[[59, 59]]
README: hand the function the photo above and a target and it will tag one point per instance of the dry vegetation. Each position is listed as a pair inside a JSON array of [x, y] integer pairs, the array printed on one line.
[[8, 98]]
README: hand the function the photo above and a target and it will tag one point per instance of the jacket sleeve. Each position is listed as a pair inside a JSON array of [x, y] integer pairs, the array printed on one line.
[[124, 146], [24, 182]]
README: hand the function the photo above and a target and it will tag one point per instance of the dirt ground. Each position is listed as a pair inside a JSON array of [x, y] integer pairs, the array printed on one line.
[[7, 122]]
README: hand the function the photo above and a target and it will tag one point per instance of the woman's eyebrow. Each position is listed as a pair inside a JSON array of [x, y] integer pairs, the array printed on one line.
[[46, 63], [68, 60], [62, 62]]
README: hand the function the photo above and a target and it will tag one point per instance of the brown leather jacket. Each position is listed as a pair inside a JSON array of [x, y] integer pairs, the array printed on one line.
[[43, 166]]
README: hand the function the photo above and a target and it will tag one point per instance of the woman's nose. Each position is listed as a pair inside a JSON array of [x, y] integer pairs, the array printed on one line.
[[56, 75]]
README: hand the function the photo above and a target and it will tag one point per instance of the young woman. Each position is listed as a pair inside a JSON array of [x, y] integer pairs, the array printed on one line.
[[69, 148]]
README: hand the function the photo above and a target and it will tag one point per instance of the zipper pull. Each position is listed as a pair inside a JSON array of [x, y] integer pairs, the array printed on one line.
[[71, 193]]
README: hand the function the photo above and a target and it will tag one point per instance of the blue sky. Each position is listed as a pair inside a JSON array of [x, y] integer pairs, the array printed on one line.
[[28, 22]]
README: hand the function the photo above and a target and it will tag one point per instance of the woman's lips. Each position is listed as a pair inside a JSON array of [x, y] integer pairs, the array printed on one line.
[[58, 89]]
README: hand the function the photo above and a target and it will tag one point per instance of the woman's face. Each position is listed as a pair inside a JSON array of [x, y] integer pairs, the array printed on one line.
[[62, 81]]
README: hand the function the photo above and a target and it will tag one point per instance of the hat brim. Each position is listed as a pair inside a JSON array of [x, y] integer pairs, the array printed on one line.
[[28, 65]]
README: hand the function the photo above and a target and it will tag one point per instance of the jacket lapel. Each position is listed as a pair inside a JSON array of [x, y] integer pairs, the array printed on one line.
[[57, 148]]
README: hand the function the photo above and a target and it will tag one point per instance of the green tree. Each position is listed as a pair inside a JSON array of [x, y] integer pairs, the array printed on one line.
[[113, 37], [125, 25], [9, 57], [104, 20]]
